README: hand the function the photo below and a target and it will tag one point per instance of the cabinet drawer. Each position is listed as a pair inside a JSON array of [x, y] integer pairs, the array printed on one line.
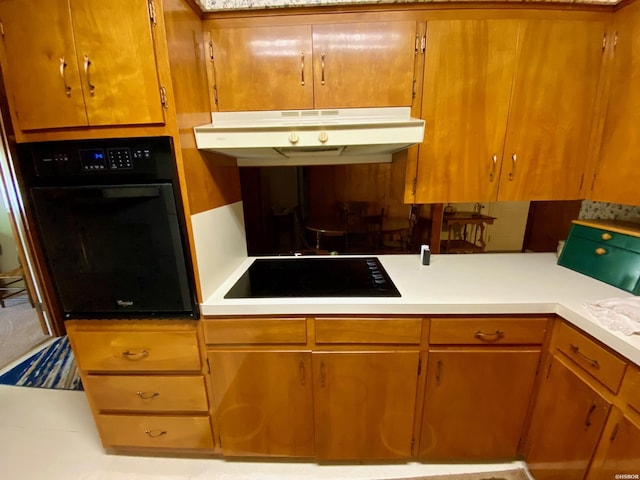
[[147, 393], [606, 237], [136, 351], [255, 331], [488, 330], [192, 432], [593, 358], [368, 330]]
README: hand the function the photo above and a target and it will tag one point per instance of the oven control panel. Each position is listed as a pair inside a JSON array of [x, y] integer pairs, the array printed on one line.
[[148, 156]]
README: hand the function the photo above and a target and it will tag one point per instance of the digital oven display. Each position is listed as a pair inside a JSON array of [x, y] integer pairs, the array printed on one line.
[[93, 159]]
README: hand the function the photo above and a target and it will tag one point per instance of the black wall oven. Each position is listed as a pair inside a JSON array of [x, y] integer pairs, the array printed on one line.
[[109, 221]]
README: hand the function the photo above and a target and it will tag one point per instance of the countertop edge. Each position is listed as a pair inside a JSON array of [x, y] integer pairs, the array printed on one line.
[[557, 295]]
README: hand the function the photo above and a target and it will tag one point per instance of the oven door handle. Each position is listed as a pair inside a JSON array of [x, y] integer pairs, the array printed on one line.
[[131, 192]]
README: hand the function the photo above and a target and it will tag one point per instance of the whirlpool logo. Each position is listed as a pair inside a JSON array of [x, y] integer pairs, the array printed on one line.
[[124, 303]]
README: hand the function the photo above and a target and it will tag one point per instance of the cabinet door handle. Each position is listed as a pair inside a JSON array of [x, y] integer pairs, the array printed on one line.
[[489, 337], [147, 396], [606, 236], [323, 375], [303, 377], [587, 421], [438, 372], [87, 64], [322, 68], [576, 349], [63, 67], [130, 355], [155, 433], [600, 251], [494, 162], [302, 69], [512, 173]]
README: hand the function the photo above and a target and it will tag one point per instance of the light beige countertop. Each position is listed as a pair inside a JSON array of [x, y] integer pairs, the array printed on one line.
[[501, 283]]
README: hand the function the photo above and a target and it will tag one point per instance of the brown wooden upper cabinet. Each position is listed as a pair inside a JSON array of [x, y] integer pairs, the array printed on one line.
[[508, 105], [74, 63], [618, 176], [344, 65]]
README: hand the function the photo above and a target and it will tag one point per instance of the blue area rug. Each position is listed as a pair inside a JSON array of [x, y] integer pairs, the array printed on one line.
[[51, 367]]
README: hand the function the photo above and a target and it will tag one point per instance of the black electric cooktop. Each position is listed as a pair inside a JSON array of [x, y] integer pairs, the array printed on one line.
[[314, 277]]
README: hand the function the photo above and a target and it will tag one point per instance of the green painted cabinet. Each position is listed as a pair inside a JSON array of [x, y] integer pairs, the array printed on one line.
[[607, 250]]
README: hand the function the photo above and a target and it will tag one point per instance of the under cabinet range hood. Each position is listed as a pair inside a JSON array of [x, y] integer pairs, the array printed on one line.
[[311, 137]]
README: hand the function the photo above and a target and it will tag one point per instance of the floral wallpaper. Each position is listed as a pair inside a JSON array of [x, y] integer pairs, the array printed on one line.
[[591, 210], [218, 5]]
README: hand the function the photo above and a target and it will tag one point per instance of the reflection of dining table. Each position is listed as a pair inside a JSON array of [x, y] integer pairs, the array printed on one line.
[[328, 226], [395, 224], [335, 226]]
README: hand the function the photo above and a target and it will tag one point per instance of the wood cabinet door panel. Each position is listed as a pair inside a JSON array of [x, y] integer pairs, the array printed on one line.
[[552, 108], [623, 452], [263, 68], [262, 402], [364, 404], [37, 38], [566, 424], [469, 68], [364, 64], [116, 38], [476, 402], [618, 176]]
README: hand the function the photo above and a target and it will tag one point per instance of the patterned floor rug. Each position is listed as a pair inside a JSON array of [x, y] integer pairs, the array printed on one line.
[[51, 367]]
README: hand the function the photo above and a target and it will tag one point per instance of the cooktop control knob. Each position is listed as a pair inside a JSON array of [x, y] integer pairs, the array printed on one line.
[[323, 137], [293, 137]]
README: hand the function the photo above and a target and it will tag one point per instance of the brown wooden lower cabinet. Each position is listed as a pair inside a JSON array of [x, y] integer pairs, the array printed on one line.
[[364, 404], [622, 446], [476, 402], [144, 382], [262, 402], [566, 424]]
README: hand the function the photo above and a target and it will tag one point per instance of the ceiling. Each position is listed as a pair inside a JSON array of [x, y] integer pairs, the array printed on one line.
[[226, 5]]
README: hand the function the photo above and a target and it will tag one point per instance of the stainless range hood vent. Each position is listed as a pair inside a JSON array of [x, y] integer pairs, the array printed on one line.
[[311, 137]]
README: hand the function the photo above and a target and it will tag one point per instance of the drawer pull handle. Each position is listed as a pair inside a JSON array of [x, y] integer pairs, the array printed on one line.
[[600, 251], [587, 421], [489, 337], [147, 396], [155, 433], [576, 349], [606, 236], [129, 355]]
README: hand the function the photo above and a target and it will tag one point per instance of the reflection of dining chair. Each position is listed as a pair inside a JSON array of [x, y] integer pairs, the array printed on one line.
[[363, 230], [301, 245], [403, 240]]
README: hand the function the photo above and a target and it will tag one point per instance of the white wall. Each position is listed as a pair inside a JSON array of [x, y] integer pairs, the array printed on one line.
[[8, 251], [220, 244]]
